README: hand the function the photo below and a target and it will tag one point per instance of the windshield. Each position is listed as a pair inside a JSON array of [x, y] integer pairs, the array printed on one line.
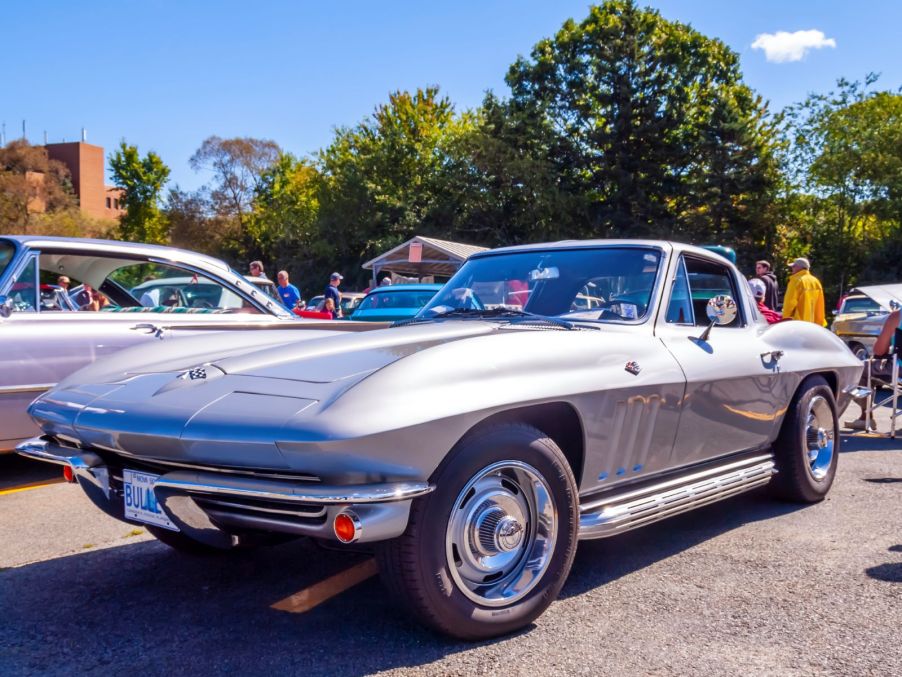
[[607, 283], [7, 251], [860, 304]]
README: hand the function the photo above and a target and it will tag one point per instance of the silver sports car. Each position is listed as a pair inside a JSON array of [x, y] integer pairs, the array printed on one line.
[[548, 393]]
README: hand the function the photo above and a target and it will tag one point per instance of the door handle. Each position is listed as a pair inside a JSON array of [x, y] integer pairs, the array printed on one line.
[[149, 328]]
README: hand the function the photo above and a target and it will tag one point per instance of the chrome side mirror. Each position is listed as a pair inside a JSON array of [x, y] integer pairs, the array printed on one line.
[[721, 310], [6, 306]]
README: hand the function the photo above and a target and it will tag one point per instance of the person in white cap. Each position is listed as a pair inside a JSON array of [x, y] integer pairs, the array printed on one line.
[[759, 291], [331, 292], [804, 299]]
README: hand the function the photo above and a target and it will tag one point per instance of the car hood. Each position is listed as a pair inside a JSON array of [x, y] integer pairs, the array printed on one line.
[[342, 355], [884, 294], [165, 403]]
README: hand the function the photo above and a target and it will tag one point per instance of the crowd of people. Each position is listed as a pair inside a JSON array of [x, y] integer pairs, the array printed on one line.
[[293, 300], [804, 297]]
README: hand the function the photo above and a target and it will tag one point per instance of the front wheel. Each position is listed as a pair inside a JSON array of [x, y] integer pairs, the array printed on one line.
[[807, 449], [491, 547]]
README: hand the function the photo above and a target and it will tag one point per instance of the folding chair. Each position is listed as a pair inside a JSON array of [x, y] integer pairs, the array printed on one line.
[[872, 402]]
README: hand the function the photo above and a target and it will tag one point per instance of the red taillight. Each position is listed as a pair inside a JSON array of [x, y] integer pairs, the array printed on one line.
[[347, 527], [68, 475]]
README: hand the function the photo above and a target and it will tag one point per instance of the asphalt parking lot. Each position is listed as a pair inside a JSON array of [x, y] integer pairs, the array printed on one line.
[[746, 586]]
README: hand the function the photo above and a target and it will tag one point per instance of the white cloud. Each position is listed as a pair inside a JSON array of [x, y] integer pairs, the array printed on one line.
[[781, 46]]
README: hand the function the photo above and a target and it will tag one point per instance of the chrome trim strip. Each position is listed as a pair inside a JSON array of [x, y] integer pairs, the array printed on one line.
[[41, 450], [617, 514], [30, 388], [593, 506], [249, 472], [335, 495], [86, 465]]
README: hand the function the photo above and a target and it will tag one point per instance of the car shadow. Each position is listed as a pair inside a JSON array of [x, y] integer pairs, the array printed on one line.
[[143, 606], [146, 605], [17, 471], [852, 443], [891, 572], [602, 561]]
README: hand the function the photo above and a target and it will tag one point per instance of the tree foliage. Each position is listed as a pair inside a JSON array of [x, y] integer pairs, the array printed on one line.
[[386, 179], [286, 205], [623, 124], [844, 159], [141, 181], [33, 188], [647, 123]]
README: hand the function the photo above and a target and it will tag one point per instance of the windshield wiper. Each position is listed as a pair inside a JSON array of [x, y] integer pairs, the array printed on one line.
[[499, 312]]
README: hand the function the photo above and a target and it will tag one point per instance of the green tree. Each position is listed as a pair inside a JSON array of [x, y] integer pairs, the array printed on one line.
[[845, 157], [385, 180], [648, 126], [142, 181], [282, 228]]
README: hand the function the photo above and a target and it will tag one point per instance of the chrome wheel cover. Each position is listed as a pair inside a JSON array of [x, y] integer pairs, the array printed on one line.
[[820, 437], [501, 533]]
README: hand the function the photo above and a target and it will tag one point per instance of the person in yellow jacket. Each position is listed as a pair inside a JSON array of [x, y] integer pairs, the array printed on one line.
[[804, 298]]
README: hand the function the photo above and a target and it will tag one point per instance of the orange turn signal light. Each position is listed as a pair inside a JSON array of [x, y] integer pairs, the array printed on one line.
[[68, 474], [347, 527]]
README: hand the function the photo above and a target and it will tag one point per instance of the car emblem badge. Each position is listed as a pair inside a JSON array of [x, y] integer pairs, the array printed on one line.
[[194, 374], [633, 367]]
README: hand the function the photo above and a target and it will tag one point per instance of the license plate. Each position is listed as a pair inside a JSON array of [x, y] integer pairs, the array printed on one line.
[[140, 503]]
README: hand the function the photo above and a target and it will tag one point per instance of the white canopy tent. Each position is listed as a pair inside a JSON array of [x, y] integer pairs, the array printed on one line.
[[421, 257]]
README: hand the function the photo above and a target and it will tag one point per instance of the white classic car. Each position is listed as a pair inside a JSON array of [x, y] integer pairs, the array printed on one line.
[[47, 332], [547, 393]]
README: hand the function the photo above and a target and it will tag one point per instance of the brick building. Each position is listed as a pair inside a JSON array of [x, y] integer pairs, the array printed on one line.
[[86, 165]]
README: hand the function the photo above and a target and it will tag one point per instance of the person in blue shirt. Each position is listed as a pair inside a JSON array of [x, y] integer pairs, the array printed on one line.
[[288, 293], [331, 292]]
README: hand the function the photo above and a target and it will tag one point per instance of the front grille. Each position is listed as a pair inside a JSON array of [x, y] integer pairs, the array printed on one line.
[[159, 467], [243, 514]]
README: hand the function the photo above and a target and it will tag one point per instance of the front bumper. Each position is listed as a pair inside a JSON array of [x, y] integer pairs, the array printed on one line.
[[216, 507]]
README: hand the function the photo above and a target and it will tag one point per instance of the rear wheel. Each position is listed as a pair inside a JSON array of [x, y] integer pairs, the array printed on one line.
[[490, 548], [807, 449]]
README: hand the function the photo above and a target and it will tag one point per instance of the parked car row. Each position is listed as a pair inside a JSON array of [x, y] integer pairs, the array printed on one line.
[[545, 394]]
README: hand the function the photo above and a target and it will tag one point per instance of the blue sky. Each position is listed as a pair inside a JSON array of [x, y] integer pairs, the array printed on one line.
[[164, 74]]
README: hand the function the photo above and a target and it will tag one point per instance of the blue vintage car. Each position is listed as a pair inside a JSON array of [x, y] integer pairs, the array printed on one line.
[[394, 302]]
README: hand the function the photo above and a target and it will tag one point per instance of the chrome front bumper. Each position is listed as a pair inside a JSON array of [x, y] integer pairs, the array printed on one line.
[[213, 507]]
